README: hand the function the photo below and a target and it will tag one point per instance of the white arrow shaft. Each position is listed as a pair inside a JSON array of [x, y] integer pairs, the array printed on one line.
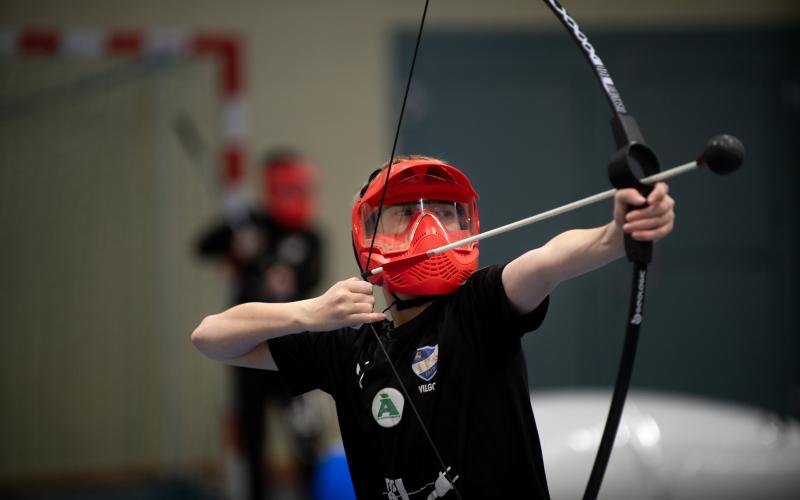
[[666, 174]]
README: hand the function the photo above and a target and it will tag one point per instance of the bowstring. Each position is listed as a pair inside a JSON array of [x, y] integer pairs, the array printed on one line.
[[407, 395]]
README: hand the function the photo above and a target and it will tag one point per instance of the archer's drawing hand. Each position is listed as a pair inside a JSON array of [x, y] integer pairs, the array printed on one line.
[[347, 303], [650, 223]]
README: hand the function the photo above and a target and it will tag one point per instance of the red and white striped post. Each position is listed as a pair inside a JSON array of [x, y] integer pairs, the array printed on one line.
[[225, 49]]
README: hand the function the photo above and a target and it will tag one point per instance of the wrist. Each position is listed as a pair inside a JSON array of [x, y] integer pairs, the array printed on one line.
[[614, 239], [301, 315], [307, 315]]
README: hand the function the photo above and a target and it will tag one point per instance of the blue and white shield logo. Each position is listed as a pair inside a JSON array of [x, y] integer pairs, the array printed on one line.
[[425, 362]]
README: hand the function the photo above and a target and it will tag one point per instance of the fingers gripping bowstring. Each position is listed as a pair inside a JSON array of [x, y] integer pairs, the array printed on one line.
[[445, 469]]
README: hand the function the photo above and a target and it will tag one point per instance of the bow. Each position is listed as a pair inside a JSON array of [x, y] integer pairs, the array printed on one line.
[[631, 151], [722, 155]]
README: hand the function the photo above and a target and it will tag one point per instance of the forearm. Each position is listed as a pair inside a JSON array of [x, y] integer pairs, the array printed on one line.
[[529, 278], [238, 330], [238, 336], [579, 251]]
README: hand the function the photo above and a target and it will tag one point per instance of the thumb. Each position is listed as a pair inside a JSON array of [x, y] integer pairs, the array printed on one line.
[[631, 197]]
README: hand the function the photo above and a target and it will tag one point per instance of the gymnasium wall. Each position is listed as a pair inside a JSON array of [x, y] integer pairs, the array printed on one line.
[[99, 204]]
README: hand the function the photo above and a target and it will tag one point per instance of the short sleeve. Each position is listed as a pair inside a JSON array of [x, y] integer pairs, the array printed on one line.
[[312, 360], [489, 304]]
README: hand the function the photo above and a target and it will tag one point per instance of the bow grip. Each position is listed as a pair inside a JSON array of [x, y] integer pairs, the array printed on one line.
[[632, 157]]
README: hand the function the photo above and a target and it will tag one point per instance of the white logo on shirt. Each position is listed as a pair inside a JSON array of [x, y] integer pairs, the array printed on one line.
[[395, 489], [427, 387], [360, 373], [426, 362], [387, 407]]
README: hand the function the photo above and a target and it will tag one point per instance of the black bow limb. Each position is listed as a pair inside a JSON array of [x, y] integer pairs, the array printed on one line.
[[633, 160]]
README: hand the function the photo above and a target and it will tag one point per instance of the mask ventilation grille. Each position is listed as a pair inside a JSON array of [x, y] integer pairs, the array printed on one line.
[[439, 266]]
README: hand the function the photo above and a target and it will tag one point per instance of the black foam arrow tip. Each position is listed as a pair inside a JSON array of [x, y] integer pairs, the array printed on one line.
[[722, 155]]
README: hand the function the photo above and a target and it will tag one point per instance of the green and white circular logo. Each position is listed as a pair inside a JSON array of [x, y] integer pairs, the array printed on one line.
[[387, 407]]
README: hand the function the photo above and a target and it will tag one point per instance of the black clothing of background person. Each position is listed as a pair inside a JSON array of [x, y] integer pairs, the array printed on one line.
[[279, 264]]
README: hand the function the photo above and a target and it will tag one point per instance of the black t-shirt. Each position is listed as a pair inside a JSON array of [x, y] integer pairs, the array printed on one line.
[[461, 361]]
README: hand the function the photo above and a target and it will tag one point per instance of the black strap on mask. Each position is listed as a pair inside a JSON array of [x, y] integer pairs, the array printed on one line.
[[403, 304]]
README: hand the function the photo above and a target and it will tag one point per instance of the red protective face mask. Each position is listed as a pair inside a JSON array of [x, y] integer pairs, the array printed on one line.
[[289, 189], [428, 204]]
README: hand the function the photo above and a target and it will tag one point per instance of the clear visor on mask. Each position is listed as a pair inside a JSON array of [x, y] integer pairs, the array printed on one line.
[[398, 222]]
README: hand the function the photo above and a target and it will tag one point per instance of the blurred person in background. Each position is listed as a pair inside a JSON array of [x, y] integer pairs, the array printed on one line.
[[273, 255]]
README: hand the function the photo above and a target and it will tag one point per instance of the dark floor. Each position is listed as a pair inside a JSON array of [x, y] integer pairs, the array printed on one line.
[[157, 490]]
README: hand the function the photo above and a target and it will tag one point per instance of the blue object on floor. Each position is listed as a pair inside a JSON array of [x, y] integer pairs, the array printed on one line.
[[331, 479]]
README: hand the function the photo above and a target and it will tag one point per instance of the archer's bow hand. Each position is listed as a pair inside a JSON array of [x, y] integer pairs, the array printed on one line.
[[645, 222]]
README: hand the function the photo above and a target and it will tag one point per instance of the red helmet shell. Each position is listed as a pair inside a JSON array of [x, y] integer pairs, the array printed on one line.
[[409, 181]]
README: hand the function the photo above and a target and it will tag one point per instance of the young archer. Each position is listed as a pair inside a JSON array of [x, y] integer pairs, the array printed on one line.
[[454, 336]]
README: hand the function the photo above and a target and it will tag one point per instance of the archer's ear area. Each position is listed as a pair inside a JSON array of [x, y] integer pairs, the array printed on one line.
[[369, 181]]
